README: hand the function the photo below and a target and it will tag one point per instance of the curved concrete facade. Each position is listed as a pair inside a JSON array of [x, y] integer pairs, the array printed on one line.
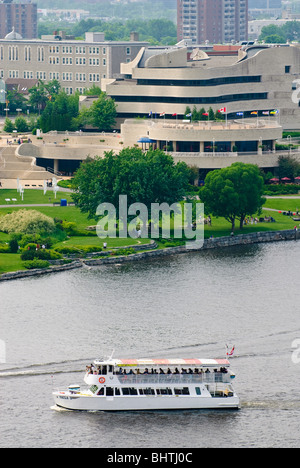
[[259, 79]]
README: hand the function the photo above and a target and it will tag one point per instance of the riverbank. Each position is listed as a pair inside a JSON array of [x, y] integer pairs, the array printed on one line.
[[213, 243]]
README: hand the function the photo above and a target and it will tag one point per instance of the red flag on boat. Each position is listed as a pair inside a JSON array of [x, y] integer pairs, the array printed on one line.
[[231, 352]]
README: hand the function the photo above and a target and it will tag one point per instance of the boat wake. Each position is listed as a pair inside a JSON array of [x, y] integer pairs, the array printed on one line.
[[271, 404]]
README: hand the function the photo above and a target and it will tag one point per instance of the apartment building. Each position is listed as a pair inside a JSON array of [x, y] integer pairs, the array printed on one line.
[[22, 17], [215, 21], [77, 65]]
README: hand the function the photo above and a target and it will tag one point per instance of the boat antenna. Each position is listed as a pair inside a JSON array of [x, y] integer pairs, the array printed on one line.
[[110, 357]]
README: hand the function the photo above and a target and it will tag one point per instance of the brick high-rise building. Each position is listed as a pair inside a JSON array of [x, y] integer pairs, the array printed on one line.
[[216, 21], [20, 18]]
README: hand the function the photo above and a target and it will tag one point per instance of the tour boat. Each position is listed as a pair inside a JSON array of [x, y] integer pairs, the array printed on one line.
[[152, 384]]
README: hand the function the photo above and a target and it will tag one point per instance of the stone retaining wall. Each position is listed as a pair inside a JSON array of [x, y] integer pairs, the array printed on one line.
[[218, 242], [40, 271]]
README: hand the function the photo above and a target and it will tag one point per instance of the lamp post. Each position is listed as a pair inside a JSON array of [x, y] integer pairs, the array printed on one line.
[[289, 138]]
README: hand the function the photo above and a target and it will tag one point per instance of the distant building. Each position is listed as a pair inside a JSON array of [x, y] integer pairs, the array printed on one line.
[[255, 26], [215, 21], [264, 4], [20, 17], [77, 65]]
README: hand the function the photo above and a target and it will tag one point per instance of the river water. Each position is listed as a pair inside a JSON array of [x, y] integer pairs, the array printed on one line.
[[189, 305]]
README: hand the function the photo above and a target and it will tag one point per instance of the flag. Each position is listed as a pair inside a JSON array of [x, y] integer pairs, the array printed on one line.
[[265, 112], [222, 110], [189, 115], [150, 113], [161, 114], [254, 113], [240, 113], [274, 112], [205, 113], [173, 115], [230, 353]]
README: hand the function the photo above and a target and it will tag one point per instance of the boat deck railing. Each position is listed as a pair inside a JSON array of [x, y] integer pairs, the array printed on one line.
[[173, 378]]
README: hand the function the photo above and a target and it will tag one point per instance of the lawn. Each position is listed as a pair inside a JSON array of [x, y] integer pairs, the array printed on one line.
[[65, 213], [283, 204], [10, 262], [96, 241], [32, 196], [219, 226]]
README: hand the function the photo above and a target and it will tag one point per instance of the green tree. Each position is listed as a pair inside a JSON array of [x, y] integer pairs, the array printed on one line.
[[21, 124], [275, 39], [60, 113], [93, 91], [103, 113], [202, 111], [211, 114], [233, 192], [288, 167], [150, 177], [9, 126], [38, 96], [15, 100]]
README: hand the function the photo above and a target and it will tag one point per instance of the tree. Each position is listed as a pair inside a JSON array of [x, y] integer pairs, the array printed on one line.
[[150, 177], [16, 100], [9, 126], [103, 113], [21, 124], [233, 192], [60, 113], [288, 167], [38, 96], [93, 91]]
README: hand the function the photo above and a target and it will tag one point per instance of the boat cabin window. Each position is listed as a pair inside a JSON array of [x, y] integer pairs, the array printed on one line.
[[146, 391], [101, 391], [198, 391], [182, 391], [117, 391], [129, 391], [164, 391], [109, 391]]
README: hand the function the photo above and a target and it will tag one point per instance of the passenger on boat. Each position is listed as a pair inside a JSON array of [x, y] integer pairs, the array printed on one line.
[[161, 371], [146, 371], [169, 371], [176, 371]]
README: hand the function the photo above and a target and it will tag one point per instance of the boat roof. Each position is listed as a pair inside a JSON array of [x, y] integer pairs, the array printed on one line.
[[164, 362]]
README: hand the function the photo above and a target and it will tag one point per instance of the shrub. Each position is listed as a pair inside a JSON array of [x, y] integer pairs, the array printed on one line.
[[8, 125], [21, 124], [41, 254], [128, 251], [13, 245], [36, 263], [78, 249], [27, 222], [65, 183], [4, 248], [70, 228]]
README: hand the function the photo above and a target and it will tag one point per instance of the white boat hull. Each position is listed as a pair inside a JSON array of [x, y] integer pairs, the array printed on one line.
[[145, 403]]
